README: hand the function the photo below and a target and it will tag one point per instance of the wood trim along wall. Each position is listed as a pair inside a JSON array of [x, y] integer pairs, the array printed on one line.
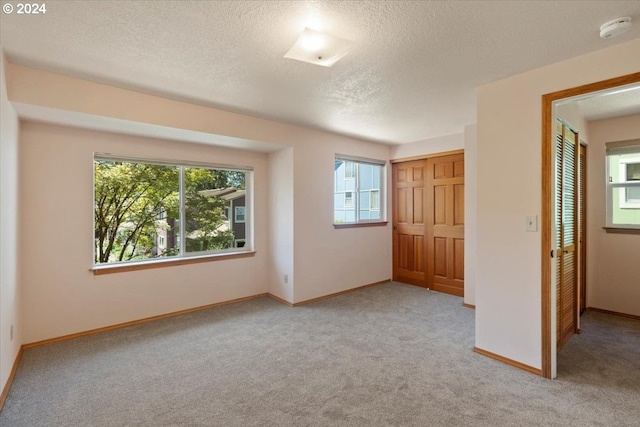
[[427, 156], [191, 310], [614, 313], [508, 361], [348, 291], [471, 306], [280, 300], [140, 321], [7, 386], [547, 194]]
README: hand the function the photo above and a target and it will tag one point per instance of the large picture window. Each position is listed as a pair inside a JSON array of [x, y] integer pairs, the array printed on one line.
[[623, 184], [358, 190], [146, 210]]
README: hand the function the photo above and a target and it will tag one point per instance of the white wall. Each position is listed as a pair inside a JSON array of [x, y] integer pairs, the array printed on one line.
[[281, 223], [9, 290], [325, 260], [508, 288], [613, 278]]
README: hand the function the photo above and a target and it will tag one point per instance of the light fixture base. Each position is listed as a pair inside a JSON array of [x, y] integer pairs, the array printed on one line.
[[318, 48]]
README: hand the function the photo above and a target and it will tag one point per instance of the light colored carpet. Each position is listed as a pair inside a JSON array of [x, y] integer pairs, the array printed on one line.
[[387, 355]]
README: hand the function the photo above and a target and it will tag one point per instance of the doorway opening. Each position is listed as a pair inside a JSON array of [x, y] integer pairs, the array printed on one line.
[[549, 285]]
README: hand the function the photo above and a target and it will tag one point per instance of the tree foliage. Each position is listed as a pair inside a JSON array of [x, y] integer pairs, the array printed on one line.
[[134, 202]]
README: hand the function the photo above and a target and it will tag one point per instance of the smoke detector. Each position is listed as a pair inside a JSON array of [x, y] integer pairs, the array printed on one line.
[[615, 27]]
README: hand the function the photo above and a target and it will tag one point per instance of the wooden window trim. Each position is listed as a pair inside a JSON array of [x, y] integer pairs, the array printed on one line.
[[121, 268]]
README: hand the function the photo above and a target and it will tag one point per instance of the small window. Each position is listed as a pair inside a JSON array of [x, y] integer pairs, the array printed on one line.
[[623, 184], [239, 214], [349, 170], [359, 199], [348, 199]]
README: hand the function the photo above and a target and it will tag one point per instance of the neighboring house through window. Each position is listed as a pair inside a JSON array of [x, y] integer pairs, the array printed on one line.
[[358, 190], [623, 184], [151, 209]]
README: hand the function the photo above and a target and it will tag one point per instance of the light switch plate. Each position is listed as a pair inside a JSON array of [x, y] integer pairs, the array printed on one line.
[[531, 223]]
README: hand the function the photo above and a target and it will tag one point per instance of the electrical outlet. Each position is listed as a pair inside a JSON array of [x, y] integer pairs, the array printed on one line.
[[11, 332], [286, 278]]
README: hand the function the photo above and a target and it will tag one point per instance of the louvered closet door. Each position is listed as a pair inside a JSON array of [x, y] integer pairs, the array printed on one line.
[[582, 230], [566, 237]]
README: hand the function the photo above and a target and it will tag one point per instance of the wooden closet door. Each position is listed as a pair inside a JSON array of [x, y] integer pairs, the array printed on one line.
[[445, 224], [409, 257]]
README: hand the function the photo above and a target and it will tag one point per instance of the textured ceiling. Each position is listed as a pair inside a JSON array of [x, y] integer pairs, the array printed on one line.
[[411, 74], [616, 103]]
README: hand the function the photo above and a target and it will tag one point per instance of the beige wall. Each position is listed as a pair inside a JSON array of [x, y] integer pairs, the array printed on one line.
[[294, 176], [508, 288], [9, 290], [470, 213], [281, 224], [328, 260], [613, 278], [61, 295], [439, 144]]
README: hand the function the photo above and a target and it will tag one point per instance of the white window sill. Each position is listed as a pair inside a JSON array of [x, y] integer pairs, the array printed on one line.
[[622, 230], [147, 265]]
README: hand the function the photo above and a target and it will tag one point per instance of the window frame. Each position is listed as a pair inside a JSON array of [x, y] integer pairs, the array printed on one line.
[[183, 257], [624, 202], [628, 147], [356, 192]]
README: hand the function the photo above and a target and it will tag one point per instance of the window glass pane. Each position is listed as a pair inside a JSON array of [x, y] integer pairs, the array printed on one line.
[[349, 170], [357, 199], [633, 171], [623, 200], [144, 210], [211, 195], [136, 208], [375, 200], [633, 195]]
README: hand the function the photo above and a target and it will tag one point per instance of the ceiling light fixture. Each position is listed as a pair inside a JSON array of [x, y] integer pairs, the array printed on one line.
[[318, 48], [615, 27]]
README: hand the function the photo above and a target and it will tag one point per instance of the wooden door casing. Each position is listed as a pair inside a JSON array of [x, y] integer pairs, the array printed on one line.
[[409, 198], [445, 224]]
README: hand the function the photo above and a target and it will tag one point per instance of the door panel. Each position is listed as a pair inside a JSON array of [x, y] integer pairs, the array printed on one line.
[[409, 263], [566, 233], [582, 232], [445, 224], [428, 223]]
